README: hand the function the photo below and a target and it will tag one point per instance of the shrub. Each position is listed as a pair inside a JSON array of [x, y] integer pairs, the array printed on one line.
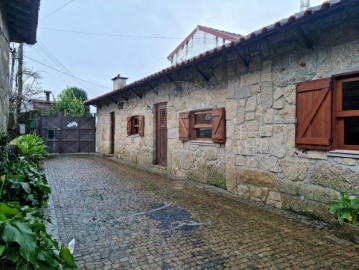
[[32, 147], [25, 244], [346, 210], [25, 184]]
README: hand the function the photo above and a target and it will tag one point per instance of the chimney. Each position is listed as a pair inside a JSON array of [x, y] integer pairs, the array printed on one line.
[[119, 82], [304, 4], [47, 93]]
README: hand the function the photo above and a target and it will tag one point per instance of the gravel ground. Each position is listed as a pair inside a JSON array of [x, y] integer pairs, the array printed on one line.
[[126, 218]]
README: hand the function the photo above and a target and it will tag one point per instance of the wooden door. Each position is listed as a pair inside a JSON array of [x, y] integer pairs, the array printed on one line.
[[161, 134], [112, 134]]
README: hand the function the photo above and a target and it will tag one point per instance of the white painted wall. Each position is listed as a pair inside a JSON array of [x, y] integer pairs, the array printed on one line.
[[199, 43]]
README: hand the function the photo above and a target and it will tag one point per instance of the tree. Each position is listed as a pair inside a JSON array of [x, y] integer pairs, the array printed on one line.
[[69, 104]]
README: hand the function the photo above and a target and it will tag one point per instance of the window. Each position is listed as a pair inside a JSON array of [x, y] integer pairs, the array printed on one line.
[[207, 125], [328, 114], [135, 125]]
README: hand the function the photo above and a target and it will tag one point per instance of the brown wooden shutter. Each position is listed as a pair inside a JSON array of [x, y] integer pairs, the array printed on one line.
[[218, 125], [314, 115], [141, 125], [129, 126], [184, 126]]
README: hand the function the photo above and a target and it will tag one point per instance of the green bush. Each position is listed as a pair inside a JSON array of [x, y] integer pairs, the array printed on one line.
[[346, 210], [32, 147], [25, 184], [25, 244]]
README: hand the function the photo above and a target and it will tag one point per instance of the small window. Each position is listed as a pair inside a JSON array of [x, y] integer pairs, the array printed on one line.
[[207, 125], [201, 125], [328, 114], [135, 125], [346, 135]]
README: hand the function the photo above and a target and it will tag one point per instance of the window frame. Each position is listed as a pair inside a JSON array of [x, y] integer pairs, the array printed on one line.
[[218, 126], [339, 115], [135, 125], [194, 127]]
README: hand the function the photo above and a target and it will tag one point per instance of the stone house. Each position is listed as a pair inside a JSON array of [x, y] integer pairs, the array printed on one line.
[[273, 117], [200, 40], [18, 23]]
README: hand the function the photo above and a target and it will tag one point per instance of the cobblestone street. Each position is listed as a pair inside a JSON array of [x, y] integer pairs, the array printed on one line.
[[125, 218]]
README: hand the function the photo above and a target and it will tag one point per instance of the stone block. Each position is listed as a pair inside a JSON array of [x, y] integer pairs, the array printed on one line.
[[251, 104], [294, 170], [278, 93], [183, 159], [345, 161], [268, 163], [266, 99], [267, 66], [258, 193], [251, 162], [286, 115], [328, 175], [231, 173], [253, 89], [255, 178], [243, 191], [306, 207], [289, 94], [231, 109], [262, 146], [278, 104], [266, 77], [289, 187], [274, 199], [277, 146], [232, 88], [252, 126], [240, 160], [250, 116], [268, 116], [246, 147], [210, 154], [250, 78], [266, 131], [319, 194]]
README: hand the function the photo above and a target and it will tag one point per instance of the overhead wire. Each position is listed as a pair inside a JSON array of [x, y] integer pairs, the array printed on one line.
[[36, 61], [57, 62], [56, 10]]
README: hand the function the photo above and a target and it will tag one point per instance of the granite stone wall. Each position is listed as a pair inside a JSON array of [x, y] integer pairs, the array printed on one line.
[[259, 160]]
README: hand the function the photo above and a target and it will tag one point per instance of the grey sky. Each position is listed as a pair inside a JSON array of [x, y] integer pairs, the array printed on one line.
[[98, 58]]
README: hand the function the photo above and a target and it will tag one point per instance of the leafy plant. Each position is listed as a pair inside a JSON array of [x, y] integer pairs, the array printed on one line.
[[25, 244], [70, 103], [347, 209], [25, 184], [31, 146]]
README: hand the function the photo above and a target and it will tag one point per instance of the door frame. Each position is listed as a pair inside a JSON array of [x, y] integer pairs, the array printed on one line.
[[157, 108]]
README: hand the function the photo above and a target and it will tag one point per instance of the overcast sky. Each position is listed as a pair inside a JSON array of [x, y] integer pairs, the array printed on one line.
[[140, 35]]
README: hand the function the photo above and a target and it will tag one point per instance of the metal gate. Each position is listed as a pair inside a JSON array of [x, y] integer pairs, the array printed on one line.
[[68, 134]]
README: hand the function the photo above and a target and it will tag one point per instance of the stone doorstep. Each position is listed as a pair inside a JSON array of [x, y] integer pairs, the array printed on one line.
[[346, 230]]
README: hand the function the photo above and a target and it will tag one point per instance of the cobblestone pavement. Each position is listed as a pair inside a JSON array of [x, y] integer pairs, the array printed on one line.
[[125, 218]]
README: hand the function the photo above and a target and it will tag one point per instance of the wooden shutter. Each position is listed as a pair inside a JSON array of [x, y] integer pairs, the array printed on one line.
[[141, 125], [314, 115], [218, 125], [184, 126], [129, 126]]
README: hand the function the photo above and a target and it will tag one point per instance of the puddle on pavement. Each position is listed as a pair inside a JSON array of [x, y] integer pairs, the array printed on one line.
[[172, 218]]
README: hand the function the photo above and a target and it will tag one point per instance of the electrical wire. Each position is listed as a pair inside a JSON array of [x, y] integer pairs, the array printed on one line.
[[57, 62], [36, 61], [56, 10], [107, 34]]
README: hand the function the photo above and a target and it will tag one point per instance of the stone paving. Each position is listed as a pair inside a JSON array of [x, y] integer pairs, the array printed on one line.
[[126, 218]]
